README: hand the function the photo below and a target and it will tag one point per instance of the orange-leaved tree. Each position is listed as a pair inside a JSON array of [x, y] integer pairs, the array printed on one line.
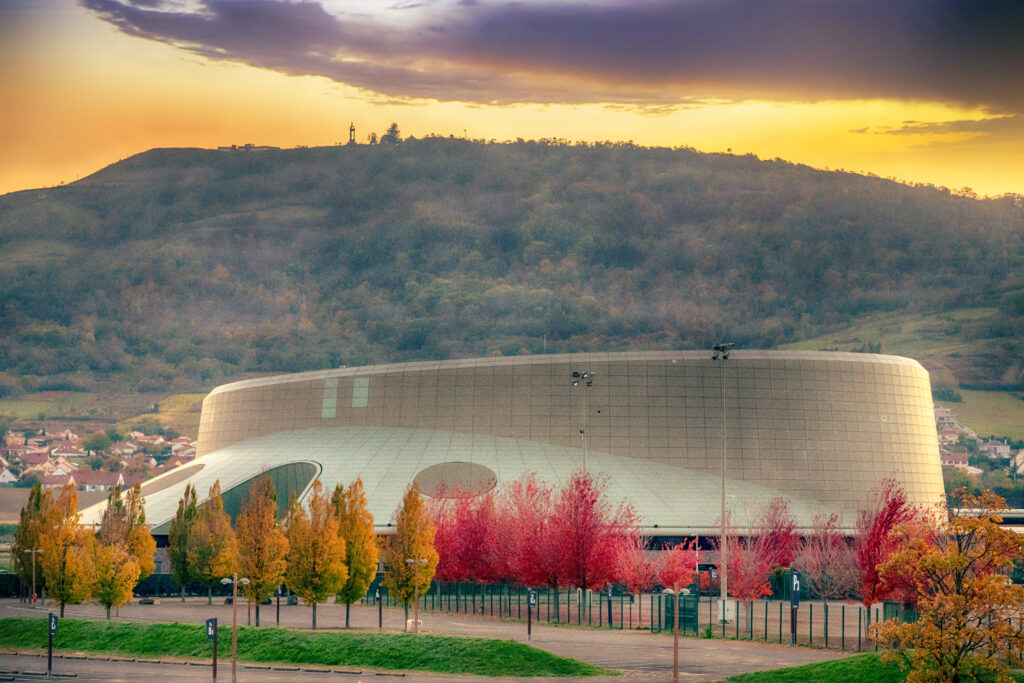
[[67, 551], [262, 545], [956, 573], [410, 559], [316, 554], [355, 527], [212, 549]]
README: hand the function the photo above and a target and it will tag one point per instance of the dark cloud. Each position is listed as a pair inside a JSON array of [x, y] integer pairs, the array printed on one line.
[[1002, 125], [638, 53]]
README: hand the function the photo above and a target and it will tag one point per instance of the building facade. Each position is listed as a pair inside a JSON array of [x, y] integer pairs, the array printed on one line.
[[819, 429]]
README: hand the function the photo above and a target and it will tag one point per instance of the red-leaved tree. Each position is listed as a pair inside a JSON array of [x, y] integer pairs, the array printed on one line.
[[635, 566], [588, 532], [678, 566], [874, 542], [826, 561], [529, 553]]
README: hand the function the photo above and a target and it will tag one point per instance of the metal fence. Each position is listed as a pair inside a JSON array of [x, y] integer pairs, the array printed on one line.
[[835, 625]]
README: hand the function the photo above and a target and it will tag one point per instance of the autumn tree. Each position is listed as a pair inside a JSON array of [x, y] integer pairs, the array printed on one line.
[[956, 573], [678, 566], [413, 540], [262, 545], [316, 554], [67, 551], [212, 548], [124, 522], [529, 552], [826, 561], [588, 532], [27, 537], [178, 539], [771, 543], [355, 527], [116, 573], [873, 542], [635, 565], [466, 526]]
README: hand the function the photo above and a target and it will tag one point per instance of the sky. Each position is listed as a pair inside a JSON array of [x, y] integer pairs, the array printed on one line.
[[924, 91]]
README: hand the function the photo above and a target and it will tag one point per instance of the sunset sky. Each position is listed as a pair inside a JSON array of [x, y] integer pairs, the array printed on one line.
[[922, 90]]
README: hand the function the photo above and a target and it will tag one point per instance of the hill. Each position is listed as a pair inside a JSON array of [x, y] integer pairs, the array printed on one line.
[[178, 269]]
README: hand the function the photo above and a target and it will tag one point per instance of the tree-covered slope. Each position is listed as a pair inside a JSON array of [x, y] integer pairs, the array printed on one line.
[[176, 268]]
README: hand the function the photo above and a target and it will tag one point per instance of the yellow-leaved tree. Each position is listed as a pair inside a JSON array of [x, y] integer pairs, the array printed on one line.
[[956, 574], [117, 572], [67, 551], [212, 550], [262, 545], [316, 554], [124, 522], [410, 558], [355, 526]]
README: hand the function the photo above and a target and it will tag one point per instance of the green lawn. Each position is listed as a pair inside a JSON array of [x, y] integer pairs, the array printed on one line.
[[392, 651], [866, 668], [47, 404]]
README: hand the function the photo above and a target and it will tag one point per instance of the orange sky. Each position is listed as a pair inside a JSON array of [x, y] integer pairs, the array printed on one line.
[[81, 93]]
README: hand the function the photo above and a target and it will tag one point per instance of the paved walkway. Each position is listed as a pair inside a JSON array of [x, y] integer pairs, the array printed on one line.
[[639, 655]]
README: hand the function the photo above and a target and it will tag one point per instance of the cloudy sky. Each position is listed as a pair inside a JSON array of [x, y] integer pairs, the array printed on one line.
[[922, 90]]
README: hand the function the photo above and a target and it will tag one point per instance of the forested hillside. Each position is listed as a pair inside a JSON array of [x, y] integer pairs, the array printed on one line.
[[179, 268]]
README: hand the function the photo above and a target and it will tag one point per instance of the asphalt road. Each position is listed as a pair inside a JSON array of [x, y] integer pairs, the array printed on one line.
[[638, 655]]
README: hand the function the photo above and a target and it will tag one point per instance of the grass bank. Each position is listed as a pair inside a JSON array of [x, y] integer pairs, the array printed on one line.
[[392, 651], [865, 668]]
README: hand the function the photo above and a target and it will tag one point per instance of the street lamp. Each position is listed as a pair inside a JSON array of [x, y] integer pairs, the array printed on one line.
[[234, 581], [677, 592], [416, 562], [33, 552], [722, 350], [587, 378]]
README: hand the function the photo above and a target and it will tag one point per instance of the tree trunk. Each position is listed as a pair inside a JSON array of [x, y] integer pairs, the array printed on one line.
[[108, 612], [61, 610], [257, 614], [347, 606], [183, 592], [209, 594], [314, 616]]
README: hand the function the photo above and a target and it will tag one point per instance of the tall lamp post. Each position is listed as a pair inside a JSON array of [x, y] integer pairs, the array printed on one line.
[[33, 552], [722, 351], [234, 581], [677, 592], [587, 378], [416, 562]]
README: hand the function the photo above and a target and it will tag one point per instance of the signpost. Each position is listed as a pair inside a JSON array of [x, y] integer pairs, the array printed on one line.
[[211, 636], [794, 604], [49, 646], [530, 604], [380, 611]]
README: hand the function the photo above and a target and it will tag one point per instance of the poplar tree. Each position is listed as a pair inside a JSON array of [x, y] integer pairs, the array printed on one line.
[[413, 540], [177, 539], [262, 545], [29, 533], [316, 554], [355, 527], [67, 551], [117, 572], [212, 550], [124, 522]]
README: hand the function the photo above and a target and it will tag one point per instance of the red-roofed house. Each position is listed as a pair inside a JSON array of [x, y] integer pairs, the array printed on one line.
[[98, 480]]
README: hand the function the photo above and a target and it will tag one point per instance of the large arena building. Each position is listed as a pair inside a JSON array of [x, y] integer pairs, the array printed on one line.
[[820, 430]]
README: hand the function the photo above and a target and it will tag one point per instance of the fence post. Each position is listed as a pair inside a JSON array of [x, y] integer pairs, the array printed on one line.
[[826, 625], [810, 624], [842, 641], [780, 622], [766, 621], [860, 629]]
